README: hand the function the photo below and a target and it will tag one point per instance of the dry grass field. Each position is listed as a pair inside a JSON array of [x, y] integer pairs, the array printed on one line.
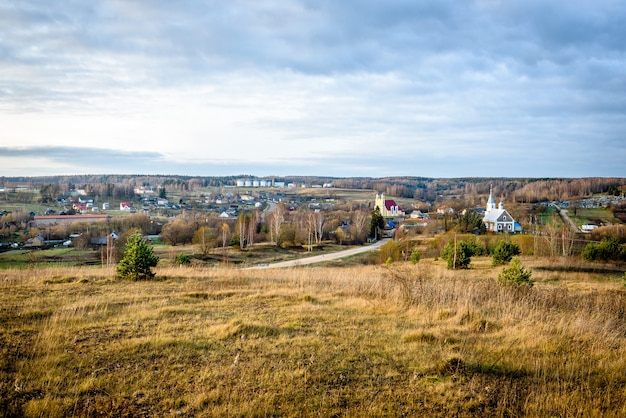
[[400, 340]]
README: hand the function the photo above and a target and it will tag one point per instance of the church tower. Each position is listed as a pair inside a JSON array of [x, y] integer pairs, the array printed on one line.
[[491, 202], [380, 202]]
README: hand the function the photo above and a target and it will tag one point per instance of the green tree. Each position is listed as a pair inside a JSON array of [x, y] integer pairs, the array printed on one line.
[[503, 252], [515, 275], [472, 222], [477, 247], [459, 258], [162, 193], [377, 223], [138, 260]]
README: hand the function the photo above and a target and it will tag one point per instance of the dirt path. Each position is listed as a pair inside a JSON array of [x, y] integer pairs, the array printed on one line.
[[323, 257], [566, 219]]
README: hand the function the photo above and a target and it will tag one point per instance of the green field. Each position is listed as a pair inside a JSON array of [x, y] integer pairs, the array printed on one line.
[[597, 216]]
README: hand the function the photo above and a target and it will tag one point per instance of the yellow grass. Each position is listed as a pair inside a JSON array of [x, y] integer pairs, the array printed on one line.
[[402, 340]]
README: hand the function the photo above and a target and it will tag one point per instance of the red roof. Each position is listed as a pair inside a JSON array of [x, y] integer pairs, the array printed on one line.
[[390, 203]]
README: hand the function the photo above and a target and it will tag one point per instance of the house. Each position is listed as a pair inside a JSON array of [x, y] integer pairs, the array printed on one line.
[[388, 208], [498, 219], [112, 237], [80, 207], [442, 210], [36, 241], [144, 190], [588, 227], [126, 206], [417, 214]]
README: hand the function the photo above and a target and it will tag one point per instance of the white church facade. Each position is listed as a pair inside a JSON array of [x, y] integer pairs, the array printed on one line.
[[497, 219]]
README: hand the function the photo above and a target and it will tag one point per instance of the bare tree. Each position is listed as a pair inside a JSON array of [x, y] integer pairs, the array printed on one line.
[[552, 234], [252, 225], [310, 228], [567, 240], [205, 238], [320, 222], [314, 223], [242, 227], [361, 223], [225, 234], [276, 219]]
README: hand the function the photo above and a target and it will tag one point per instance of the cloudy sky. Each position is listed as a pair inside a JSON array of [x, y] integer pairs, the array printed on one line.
[[313, 87]]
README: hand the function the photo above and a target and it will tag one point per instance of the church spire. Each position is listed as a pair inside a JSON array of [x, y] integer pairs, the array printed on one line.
[[491, 202]]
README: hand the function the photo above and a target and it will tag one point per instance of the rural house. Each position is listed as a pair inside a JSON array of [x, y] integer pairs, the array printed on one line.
[[36, 241]]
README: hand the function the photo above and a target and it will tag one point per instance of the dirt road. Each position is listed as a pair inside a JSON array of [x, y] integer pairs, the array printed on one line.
[[323, 257], [566, 219]]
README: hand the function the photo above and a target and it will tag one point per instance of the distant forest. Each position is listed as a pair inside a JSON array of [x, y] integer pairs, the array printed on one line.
[[520, 190]]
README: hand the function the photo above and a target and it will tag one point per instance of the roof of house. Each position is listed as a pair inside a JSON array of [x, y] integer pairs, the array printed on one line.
[[390, 204], [33, 240]]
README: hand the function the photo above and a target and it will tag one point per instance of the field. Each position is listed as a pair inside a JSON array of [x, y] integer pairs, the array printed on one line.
[[596, 216], [399, 340], [251, 256]]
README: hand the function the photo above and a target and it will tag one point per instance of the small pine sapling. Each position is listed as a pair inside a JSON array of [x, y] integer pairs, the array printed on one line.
[[515, 275]]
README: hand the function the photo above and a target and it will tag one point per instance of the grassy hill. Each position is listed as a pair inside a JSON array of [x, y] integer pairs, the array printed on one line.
[[400, 340]]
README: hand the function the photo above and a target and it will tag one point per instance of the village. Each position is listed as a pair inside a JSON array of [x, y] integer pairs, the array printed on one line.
[[308, 213]]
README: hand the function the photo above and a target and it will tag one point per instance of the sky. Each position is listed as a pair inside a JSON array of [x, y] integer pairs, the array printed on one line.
[[351, 88]]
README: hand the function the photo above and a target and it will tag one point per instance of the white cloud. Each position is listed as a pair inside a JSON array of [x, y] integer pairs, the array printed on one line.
[[320, 87]]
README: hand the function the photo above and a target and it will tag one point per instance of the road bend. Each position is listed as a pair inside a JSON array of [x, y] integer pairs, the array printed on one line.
[[323, 257]]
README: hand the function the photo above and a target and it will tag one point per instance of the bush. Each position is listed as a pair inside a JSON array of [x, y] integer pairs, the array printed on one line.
[[608, 249], [182, 259], [415, 256], [515, 275], [389, 251], [138, 260], [503, 252]]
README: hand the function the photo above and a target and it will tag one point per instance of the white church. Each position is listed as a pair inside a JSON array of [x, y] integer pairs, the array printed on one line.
[[498, 219]]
